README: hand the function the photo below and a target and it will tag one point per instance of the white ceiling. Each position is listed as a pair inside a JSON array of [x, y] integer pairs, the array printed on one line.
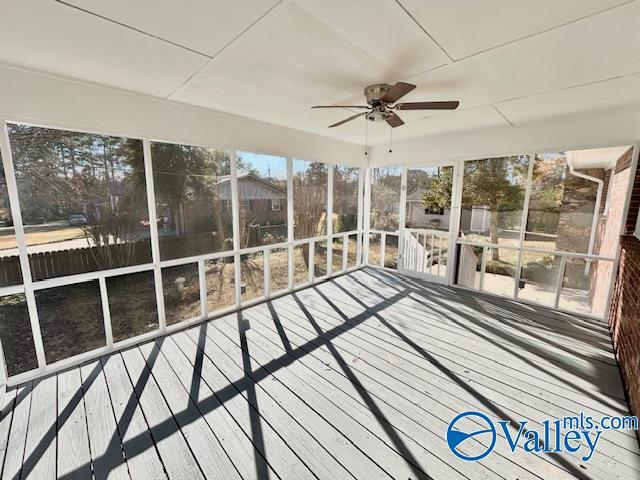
[[511, 64]]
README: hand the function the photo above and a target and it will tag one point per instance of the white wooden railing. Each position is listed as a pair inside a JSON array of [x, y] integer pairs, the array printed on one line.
[[425, 251]]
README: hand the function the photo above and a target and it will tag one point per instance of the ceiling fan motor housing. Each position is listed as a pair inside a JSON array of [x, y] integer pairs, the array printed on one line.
[[375, 92]]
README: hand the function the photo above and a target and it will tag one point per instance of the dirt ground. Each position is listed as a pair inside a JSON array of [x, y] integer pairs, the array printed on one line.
[[39, 235], [182, 299]]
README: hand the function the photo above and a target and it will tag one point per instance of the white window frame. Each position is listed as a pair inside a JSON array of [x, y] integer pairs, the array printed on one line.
[[456, 240], [28, 287]]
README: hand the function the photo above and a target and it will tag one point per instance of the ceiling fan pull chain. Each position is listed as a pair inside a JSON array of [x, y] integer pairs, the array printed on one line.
[[366, 136], [390, 140]]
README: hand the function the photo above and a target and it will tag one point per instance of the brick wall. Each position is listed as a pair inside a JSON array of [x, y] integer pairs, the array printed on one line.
[[608, 234], [624, 320], [624, 315]]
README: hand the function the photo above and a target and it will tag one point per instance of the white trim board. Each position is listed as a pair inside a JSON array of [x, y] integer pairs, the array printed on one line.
[[47, 100]]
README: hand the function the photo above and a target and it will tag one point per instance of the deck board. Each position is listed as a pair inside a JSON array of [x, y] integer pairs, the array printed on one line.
[[202, 439], [357, 377], [40, 447], [236, 440], [6, 415], [263, 399], [143, 460], [281, 457], [106, 453], [384, 367], [173, 447], [14, 457], [74, 453]]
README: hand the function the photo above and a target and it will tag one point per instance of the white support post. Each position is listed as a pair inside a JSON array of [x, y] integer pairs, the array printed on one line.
[[202, 277], [563, 265], [106, 312], [366, 216], [153, 231], [16, 215], [454, 220], [267, 273], [330, 172], [235, 215], [402, 215], [359, 236], [523, 223], [383, 246], [290, 221]]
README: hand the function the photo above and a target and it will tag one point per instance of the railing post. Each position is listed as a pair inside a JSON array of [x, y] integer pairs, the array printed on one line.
[[266, 255], [312, 262], [563, 264], [202, 277], [483, 267], [106, 312], [345, 252]]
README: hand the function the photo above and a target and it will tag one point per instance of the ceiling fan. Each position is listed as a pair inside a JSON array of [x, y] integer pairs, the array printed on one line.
[[382, 98]]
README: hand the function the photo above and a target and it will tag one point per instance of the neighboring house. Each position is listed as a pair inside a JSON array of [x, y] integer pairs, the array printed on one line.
[[253, 188], [267, 199], [420, 217]]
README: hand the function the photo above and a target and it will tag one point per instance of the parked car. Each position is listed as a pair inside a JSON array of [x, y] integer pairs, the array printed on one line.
[[76, 219]]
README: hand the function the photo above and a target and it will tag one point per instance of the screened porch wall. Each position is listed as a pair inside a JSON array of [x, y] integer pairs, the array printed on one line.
[[108, 241]]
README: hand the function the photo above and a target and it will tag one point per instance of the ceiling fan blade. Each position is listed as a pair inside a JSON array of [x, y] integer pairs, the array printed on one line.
[[394, 120], [348, 119], [428, 106], [399, 90], [341, 106]]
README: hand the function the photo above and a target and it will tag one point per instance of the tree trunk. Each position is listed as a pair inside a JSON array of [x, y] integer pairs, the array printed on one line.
[[305, 254], [493, 233]]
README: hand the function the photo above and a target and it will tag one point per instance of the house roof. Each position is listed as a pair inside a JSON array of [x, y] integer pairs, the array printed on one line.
[[245, 176]]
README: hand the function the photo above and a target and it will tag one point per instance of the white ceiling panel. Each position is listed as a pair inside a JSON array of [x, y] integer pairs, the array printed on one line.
[[465, 27], [205, 26], [55, 38], [588, 51], [538, 61], [613, 94], [381, 29], [302, 59]]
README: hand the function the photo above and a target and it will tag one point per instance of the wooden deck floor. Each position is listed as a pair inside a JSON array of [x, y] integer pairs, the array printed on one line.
[[357, 377]]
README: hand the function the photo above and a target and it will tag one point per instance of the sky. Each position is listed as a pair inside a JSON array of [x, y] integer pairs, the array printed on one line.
[[267, 165]]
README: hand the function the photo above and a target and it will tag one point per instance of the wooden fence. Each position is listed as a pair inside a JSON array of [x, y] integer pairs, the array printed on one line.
[[72, 261], [89, 259]]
